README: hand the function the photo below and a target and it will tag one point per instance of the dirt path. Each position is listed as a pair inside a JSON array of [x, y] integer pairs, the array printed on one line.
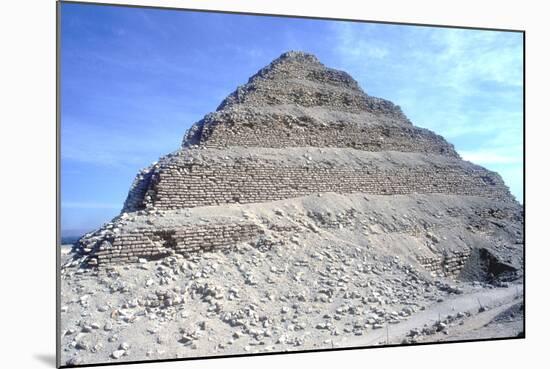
[[496, 300], [482, 326]]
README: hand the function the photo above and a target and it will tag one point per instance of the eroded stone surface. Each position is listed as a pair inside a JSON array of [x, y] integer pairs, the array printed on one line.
[[301, 214], [296, 128]]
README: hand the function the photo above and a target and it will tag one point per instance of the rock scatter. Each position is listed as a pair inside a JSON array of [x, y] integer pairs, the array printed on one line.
[[303, 213]]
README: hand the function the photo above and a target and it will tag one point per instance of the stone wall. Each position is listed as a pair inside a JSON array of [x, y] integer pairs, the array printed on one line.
[[301, 80], [295, 129], [291, 92], [296, 65], [185, 186], [288, 133], [138, 191], [152, 244], [449, 265]]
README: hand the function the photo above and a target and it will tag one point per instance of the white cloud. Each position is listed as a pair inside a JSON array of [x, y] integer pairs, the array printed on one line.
[[504, 127], [470, 57], [489, 157], [463, 84], [358, 47]]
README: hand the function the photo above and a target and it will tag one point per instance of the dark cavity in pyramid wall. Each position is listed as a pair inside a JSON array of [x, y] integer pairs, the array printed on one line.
[[296, 128]]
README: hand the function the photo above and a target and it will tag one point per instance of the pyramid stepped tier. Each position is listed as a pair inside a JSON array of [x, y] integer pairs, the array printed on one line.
[[304, 137], [297, 101], [307, 93], [300, 79], [191, 178], [290, 126], [441, 233], [160, 242]]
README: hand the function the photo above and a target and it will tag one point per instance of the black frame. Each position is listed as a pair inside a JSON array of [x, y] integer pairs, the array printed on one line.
[[58, 182]]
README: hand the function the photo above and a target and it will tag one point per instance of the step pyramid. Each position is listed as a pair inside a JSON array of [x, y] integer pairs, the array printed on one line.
[[299, 134]]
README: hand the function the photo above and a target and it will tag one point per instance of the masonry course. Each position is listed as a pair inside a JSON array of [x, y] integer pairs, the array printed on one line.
[[295, 129]]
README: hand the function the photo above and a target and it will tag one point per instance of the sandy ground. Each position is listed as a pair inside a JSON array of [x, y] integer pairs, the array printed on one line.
[[473, 325], [244, 303], [330, 281], [502, 321]]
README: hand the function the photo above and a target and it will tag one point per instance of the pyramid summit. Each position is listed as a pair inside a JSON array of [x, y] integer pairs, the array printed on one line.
[[296, 101], [299, 135]]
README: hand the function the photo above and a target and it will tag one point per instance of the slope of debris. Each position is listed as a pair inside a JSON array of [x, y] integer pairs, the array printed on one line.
[[303, 213], [331, 270]]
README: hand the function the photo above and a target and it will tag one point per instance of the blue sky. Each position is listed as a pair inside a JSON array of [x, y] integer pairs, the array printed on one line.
[[133, 80]]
